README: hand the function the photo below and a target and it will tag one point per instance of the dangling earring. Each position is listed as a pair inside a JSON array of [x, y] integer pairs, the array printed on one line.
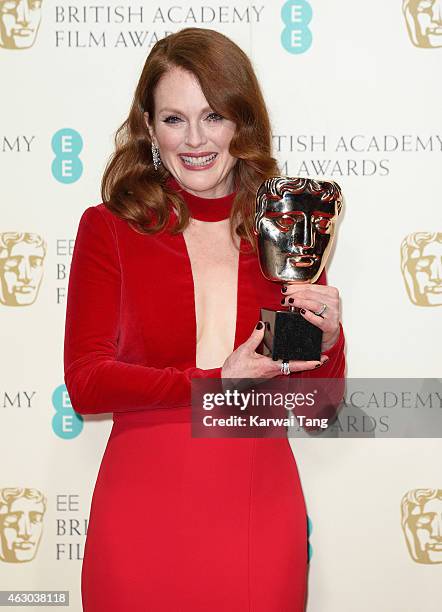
[[156, 157]]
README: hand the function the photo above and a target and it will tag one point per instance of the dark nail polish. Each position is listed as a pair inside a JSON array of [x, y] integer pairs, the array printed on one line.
[[283, 301], [291, 300], [259, 325], [302, 311], [318, 365], [284, 289]]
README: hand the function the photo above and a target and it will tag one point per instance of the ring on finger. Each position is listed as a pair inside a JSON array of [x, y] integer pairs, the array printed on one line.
[[285, 368], [321, 312]]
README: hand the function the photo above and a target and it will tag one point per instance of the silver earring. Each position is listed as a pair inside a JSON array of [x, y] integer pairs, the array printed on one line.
[[156, 157]]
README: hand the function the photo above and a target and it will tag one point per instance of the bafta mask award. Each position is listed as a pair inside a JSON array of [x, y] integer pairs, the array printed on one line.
[[295, 226]]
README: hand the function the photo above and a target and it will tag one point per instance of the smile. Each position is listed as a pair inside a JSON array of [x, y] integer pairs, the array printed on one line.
[[194, 161]]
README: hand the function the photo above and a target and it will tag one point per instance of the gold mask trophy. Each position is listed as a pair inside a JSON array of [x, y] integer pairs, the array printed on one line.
[[295, 226]]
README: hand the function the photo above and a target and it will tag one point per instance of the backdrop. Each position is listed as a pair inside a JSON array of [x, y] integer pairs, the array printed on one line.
[[354, 96]]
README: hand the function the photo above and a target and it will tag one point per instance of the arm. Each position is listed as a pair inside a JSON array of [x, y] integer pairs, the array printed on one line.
[[96, 381]]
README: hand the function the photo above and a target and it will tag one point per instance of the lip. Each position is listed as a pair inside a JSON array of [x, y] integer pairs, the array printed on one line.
[[302, 261], [437, 289], [201, 154], [24, 545], [23, 32]]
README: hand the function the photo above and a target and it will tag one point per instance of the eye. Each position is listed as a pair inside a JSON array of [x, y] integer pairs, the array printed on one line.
[[285, 223], [36, 261], [322, 224], [172, 119], [424, 520], [9, 6], [214, 117], [11, 519], [11, 263], [423, 263], [36, 517]]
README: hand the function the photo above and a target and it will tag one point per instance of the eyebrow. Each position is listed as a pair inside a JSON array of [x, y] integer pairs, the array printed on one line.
[[178, 112], [297, 212]]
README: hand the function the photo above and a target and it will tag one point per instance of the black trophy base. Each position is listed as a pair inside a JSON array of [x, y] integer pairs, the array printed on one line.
[[289, 336]]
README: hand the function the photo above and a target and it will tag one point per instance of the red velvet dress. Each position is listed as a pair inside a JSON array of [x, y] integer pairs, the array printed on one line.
[[177, 524]]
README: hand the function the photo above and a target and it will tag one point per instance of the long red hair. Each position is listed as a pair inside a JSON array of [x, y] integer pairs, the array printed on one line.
[[133, 190]]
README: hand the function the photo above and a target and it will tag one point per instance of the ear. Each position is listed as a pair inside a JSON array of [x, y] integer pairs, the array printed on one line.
[[150, 128]]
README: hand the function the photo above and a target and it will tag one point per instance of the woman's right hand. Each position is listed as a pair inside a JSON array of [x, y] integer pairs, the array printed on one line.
[[245, 362]]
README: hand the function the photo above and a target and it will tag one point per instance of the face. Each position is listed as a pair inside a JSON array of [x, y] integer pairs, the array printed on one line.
[[424, 21], [426, 528], [295, 236], [426, 269], [21, 530], [193, 140], [21, 274], [19, 23]]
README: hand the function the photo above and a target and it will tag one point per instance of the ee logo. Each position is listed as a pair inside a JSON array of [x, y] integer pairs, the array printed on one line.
[[296, 36], [66, 423], [309, 546], [67, 144]]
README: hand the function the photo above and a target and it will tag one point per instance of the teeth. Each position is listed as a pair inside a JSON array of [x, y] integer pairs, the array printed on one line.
[[199, 161]]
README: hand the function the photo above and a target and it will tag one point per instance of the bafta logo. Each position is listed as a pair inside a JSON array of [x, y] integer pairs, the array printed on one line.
[[422, 524], [19, 23], [21, 267], [424, 22], [421, 265], [21, 523]]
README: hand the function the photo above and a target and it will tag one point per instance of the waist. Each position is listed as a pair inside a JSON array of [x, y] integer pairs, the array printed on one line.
[[154, 416]]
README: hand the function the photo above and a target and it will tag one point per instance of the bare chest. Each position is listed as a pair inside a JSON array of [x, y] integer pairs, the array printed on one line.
[[214, 262]]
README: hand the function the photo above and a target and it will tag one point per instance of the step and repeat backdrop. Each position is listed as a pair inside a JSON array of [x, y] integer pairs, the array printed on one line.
[[354, 93]]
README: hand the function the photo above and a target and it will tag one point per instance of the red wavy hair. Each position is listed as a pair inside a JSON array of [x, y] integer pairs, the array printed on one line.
[[133, 190]]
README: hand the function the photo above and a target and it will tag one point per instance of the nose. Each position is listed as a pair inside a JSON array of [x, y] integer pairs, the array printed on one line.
[[24, 526], [436, 270], [23, 12], [303, 234], [195, 134], [436, 528], [24, 270]]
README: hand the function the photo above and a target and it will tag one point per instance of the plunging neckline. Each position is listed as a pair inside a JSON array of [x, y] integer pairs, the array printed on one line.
[[240, 302]]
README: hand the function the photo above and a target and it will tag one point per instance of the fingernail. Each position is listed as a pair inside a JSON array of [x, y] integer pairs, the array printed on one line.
[[283, 301], [302, 311], [291, 300], [284, 289], [259, 325], [318, 365]]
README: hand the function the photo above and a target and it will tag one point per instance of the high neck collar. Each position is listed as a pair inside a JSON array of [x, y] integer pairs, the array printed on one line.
[[204, 209]]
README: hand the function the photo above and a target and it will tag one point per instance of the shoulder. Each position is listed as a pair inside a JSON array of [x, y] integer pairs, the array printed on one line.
[[101, 217]]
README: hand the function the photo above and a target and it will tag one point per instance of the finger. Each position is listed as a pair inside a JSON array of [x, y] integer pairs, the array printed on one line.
[[330, 300], [255, 338], [322, 290], [324, 323], [312, 305], [300, 366]]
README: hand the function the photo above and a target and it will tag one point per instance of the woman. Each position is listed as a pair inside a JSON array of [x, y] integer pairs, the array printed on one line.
[[164, 287]]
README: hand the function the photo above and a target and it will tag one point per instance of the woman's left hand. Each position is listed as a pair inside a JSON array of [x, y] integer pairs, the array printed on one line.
[[311, 299]]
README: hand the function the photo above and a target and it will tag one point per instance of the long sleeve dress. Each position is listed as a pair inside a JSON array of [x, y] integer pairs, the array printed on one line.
[[177, 523]]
